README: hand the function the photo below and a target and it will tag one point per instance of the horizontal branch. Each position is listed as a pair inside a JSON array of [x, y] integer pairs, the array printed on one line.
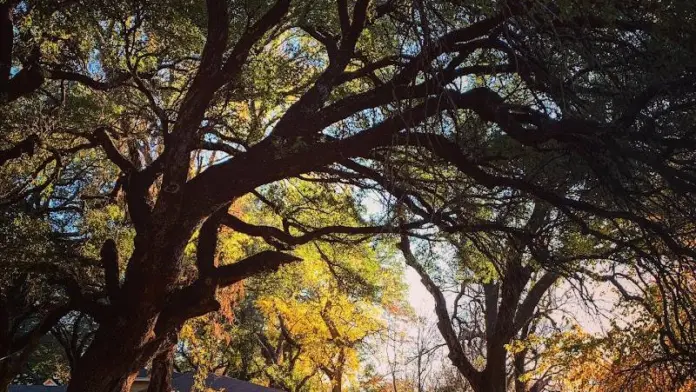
[[26, 146], [198, 298], [273, 233], [222, 147], [263, 262], [119, 80]]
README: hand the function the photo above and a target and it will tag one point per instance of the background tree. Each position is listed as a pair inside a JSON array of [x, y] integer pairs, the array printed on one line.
[[500, 285], [635, 353]]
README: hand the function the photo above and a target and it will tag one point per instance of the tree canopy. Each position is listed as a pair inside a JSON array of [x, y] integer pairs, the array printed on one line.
[[154, 155]]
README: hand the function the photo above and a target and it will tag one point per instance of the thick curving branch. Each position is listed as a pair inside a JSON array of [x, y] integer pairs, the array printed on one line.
[[275, 235], [199, 298]]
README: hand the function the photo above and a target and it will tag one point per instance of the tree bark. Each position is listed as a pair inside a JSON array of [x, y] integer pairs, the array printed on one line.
[[337, 383], [5, 378], [128, 339], [151, 304], [121, 347], [518, 371], [162, 367], [492, 380], [113, 360]]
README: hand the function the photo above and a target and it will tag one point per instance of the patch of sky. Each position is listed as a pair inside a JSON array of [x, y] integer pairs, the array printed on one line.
[[64, 206], [94, 64], [206, 155]]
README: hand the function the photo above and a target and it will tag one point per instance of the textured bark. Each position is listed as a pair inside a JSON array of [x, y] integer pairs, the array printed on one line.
[[127, 341], [6, 377], [162, 367], [152, 307], [518, 371], [111, 363], [109, 258], [492, 379], [5, 384]]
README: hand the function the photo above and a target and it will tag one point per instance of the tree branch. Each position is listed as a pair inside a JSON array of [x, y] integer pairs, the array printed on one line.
[[26, 146], [526, 309], [262, 262], [273, 233], [119, 80], [456, 352], [109, 260], [199, 298], [101, 137], [240, 53], [207, 242]]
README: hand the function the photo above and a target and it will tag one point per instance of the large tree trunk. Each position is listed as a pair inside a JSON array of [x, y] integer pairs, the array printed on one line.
[[118, 352], [494, 377], [162, 367], [7, 372], [126, 341], [518, 371], [139, 325], [113, 359], [5, 379], [492, 382]]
